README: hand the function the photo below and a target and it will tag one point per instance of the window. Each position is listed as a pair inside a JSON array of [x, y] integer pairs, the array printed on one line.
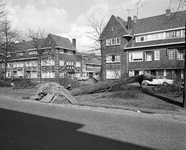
[[175, 33], [135, 56], [148, 56], [8, 65], [61, 63], [47, 62], [61, 51], [107, 42], [152, 37], [48, 74], [141, 38], [113, 74], [113, 58], [33, 74], [178, 33], [180, 54], [78, 64], [161, 35], [171, 54], [32, 52], [157, 55], [113, 41], [3, 65], [183, 33], [20, 54], [118, 41]]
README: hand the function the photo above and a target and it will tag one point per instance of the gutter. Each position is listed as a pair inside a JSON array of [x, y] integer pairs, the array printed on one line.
[[146, 46]]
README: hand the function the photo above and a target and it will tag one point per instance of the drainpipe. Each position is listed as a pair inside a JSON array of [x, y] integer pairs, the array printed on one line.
[[184, 92]]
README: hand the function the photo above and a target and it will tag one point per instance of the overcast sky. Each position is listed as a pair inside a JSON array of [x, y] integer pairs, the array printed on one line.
[[68, 18]]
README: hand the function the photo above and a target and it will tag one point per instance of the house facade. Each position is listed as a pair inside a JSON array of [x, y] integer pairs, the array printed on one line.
[[58, 58], [158, 46], [112, 45], [153, 45], [91, 65]]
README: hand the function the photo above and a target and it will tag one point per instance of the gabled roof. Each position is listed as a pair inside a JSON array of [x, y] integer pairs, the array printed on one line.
[[119, 20], [160, 22], [62, 42], [122, 22], [155, 24]]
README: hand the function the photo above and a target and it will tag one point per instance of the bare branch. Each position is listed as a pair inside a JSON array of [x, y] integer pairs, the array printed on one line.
[[96, 28]]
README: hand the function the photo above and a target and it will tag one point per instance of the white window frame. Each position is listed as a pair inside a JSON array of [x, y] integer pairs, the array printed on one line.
[[131, 57], [113, 74], [109, 58], [118, 40], [171, 56], [61, 63], [108, 42], [78, 64], [157, 55], [180, 56], [146, 57], [113, 41]]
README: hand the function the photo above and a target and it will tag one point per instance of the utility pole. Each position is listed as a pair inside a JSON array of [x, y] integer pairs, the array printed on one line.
[[184, 91]]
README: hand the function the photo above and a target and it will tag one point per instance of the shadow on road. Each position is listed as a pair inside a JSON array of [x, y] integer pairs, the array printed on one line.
[[21, 131]]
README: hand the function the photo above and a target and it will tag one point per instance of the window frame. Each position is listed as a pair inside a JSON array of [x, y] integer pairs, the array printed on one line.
[[170, 55], [155, 56], [118, 40], [131, 57], [146, 55]]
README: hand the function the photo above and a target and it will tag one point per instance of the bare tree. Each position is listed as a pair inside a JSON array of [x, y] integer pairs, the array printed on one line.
[[3, 11], [38, 40], [179, 4], [8, 38], [96, 28]]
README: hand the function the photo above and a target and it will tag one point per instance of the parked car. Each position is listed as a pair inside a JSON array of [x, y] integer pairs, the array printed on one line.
[[84, 78], [160, 80]]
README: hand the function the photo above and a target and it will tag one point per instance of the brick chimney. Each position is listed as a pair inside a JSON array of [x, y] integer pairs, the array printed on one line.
[[129, 23], [74, 42], [135, 19], [168, 12]]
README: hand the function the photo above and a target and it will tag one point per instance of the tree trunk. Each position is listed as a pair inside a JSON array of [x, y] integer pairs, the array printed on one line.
[[108, 84], [91, 88]]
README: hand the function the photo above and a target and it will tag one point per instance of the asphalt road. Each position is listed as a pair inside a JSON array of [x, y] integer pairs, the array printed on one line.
[[28, 125]]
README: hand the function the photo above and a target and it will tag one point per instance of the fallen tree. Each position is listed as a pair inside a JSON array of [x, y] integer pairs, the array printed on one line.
[[57, 90], [107, 85]]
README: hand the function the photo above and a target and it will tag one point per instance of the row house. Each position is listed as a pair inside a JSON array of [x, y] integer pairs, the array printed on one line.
[[91, 65], [157, 46], [112, 45], [58, 58], [153, 45]]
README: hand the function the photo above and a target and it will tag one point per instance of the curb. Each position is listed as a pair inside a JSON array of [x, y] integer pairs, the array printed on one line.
[[136, 109]]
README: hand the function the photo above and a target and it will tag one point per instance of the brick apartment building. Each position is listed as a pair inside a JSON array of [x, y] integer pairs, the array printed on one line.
[[153, 45], [57, 59]]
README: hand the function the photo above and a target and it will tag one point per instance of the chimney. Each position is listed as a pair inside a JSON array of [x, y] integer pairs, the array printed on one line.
[[74, 42], [168, 12], [135, 19], [129, 23]]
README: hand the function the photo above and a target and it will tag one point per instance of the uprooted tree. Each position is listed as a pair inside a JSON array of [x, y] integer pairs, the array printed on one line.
[[103, 86]]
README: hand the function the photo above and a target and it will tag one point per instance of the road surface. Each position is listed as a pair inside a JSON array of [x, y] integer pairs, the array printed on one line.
[[31, 125]]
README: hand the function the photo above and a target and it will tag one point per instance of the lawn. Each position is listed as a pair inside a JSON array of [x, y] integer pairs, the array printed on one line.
[[143, 100]]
